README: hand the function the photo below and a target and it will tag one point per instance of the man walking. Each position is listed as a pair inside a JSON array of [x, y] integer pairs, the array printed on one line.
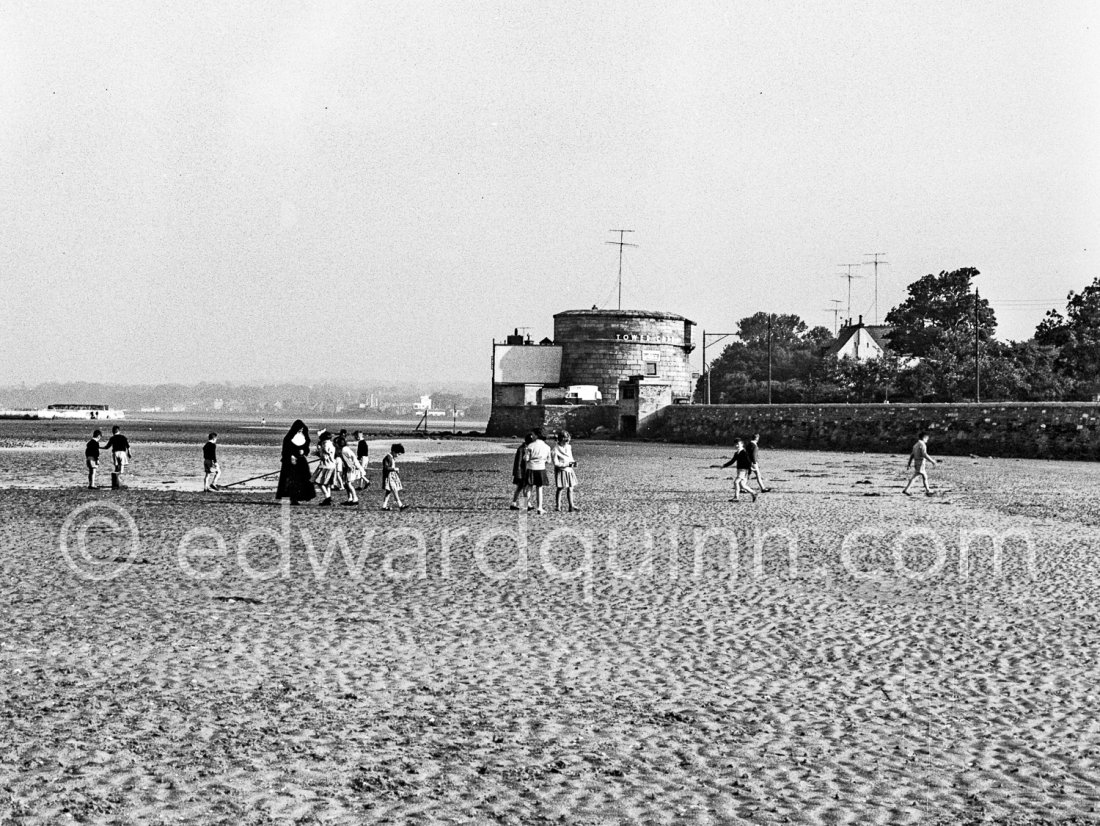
[[119, 448], [918, 461]]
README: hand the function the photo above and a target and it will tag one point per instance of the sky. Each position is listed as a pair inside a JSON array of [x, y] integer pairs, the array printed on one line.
[[267, 191]]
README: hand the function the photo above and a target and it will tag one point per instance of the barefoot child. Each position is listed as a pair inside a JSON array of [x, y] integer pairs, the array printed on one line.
[[91, 456], [565, 478], [210, 468], [391, 479], [918, 460]]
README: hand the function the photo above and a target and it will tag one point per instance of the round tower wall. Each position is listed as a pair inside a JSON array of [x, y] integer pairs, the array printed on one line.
[[606, 349]]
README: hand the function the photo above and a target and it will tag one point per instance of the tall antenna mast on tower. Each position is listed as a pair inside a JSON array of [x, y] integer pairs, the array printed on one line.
[[620, 244], [849, 276], [876, 263]]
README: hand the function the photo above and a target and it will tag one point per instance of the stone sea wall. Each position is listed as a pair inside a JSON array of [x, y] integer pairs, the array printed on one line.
[[580, 420], [1068, 430]]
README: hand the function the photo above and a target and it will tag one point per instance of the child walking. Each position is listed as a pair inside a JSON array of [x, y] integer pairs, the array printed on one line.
[[210, 468], [391, 479], [362, 453], [519, 470], [324, 477], [91, 457], [119, 448], [919, 461], [565, 478], [350, 470], [743, 461]]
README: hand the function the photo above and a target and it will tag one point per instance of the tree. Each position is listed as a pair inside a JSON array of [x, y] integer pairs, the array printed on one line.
[[740, 373], [939, 315], [1077, 339], [785, 329], [1022, 371], [871, 380]]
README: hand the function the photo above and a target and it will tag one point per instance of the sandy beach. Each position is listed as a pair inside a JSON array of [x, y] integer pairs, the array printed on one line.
[[857, 657]]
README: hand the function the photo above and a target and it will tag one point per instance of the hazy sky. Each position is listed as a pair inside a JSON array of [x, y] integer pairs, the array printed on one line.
[[262, 191]]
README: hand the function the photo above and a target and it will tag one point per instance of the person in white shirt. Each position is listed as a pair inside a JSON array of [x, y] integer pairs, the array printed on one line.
[[918, 461], [565, 478], [536, 456]]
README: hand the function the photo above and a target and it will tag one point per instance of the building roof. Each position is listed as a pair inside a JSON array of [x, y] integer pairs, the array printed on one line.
[[596, 313], [879, 332]]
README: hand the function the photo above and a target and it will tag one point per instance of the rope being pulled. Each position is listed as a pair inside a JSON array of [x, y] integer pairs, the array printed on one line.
[[261, 476]]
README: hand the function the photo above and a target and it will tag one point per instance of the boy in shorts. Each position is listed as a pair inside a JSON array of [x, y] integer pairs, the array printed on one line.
[[536, 456], [91, 457], [210, 467], [362, 453], [119, 448], [918, 461]]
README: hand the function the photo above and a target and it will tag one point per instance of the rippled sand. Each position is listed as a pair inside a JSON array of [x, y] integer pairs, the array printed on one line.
[[664, 686]]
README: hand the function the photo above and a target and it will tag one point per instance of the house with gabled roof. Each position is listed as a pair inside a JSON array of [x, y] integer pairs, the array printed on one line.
[[862, 342]]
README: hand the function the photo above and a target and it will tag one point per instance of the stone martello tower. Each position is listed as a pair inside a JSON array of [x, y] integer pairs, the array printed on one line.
[[608, 347]]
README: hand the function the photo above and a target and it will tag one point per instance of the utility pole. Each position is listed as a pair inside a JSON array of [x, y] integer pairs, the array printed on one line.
[[717, 337], [849, 276], [977, 363], [620, 244], [876, 263], [770, 317], [835, 310]]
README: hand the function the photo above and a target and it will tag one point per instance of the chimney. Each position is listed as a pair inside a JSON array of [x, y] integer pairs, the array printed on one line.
[[861, 321]]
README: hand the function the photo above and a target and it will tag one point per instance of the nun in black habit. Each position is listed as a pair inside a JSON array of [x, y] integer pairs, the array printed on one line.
[[294, 481]]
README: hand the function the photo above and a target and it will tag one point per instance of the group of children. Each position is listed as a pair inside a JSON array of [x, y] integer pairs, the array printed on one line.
[[530, 471], [745, 459], [340, 467], [118, 447]]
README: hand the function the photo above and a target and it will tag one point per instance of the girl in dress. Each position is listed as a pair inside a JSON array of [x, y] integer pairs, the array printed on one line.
[[294, 481], [565, 478], [391, 479], [325, 477], [350, 469]]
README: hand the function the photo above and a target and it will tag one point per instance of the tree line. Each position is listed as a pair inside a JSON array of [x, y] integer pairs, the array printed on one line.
[[939, 334]]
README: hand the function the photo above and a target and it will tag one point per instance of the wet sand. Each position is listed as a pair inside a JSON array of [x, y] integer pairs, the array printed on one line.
[[262, 686]]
